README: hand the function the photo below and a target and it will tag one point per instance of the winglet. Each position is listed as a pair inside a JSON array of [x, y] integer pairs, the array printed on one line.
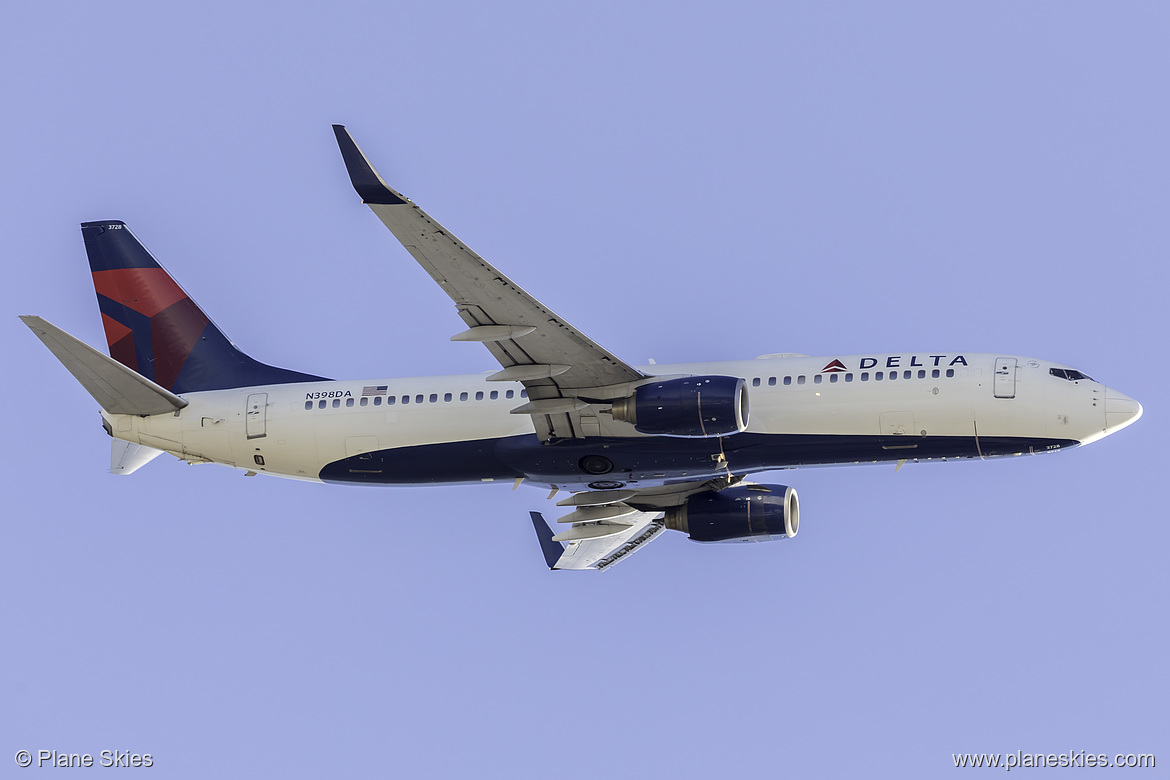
[[552, 550], [362, 175]]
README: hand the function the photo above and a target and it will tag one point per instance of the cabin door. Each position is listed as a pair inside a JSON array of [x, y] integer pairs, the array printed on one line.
[[1005, 377], [257, 422]]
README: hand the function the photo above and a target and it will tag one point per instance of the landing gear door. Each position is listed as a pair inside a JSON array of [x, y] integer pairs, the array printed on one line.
[[257, 422], [1005, 377]]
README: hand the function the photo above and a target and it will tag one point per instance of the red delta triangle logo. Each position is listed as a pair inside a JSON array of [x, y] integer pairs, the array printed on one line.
[[835, 366]]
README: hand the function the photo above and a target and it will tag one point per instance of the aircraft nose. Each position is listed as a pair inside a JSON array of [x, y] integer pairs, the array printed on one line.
[[1120, 410]]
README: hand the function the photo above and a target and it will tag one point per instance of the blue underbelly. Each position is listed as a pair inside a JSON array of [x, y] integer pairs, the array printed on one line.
[[650, 460]]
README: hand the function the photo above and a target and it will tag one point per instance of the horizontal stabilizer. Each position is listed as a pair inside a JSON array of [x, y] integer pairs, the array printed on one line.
[[126, 457], [116, 388]]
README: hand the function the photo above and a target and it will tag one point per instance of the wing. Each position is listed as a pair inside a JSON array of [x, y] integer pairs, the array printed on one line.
[[596, 545], [556, 363], [610, 525]]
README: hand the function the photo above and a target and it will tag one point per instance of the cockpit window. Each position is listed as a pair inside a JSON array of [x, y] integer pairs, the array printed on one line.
[[1070, 374]]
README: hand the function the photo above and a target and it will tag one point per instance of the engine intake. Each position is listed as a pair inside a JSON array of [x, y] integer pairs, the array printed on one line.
[[690, 406], [738, 514]]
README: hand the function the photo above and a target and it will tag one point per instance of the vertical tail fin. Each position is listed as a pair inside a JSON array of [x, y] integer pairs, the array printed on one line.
[[156, 329]]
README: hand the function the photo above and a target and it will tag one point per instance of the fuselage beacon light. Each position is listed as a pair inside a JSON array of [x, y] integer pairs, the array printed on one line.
[[639, 449]]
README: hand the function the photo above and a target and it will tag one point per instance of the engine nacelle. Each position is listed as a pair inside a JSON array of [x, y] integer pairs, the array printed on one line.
[[756, 513], [690, 406]]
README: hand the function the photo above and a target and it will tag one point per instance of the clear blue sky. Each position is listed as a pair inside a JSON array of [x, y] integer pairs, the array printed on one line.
[[683, 182]]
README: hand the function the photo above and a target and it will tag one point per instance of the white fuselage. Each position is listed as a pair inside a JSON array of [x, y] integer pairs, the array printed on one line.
[[803, 411]]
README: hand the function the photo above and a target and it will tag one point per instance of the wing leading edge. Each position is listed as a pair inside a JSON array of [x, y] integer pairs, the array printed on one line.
[[554, 361]]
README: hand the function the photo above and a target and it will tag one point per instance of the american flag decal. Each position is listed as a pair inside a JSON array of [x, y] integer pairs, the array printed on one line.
[[374, 390]]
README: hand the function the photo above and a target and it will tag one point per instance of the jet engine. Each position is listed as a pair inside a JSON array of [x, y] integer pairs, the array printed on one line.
[[690, 406], [757, 513]]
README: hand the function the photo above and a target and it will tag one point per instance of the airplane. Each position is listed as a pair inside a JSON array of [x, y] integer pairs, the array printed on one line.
[[639, 449]]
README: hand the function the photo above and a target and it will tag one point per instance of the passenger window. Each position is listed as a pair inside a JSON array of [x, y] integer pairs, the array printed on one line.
[[922, 373], [892, 375], [479, 395], [378, 400], [321, 404], [524, 393], [878, 375], [308, 404], [418, 399], [817, 379], [446, 397], [510, 394], [800, 380], [463, 396], [787, 380], [756, 382], [771, 381], [389, 400], [950, 373], [934, 374], [406, 399], [907, 374], [349, 402], [336, 403], [494, 394], [832, 378], [849, 377]]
